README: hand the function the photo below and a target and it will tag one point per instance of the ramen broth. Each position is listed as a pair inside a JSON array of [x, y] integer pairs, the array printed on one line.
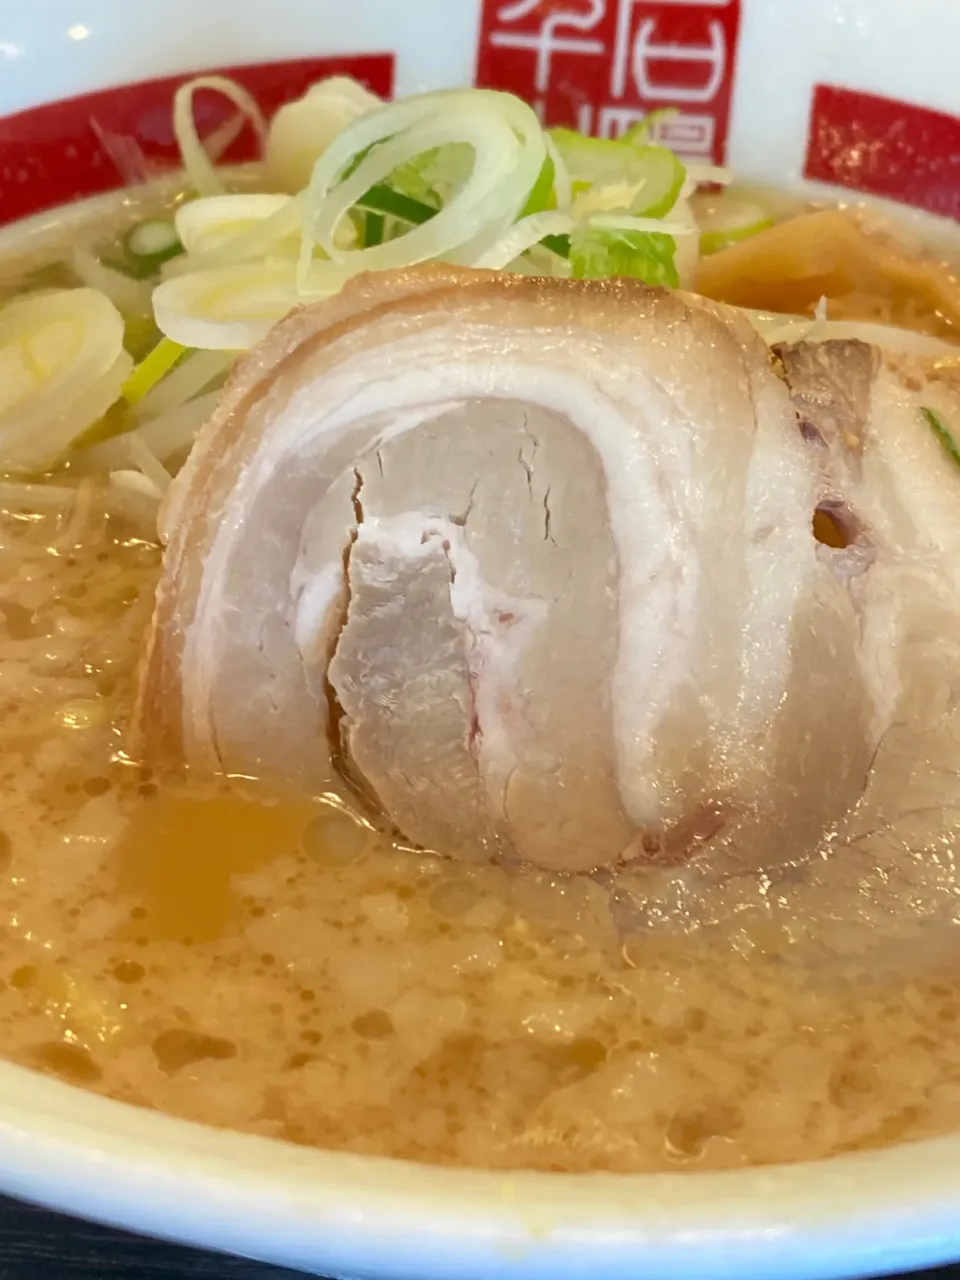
[[277, 965], [274, 965]]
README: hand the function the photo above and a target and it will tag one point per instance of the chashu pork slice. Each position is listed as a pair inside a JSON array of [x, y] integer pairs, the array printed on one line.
[[881, 430], [530, 562]]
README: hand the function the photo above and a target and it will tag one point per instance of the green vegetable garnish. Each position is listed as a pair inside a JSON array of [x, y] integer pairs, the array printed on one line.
[[641, 255], [557, 244], [150, 370], [542, 195], [665, 179], [350, 168], [383, 199], [638, 135], [728, 218], [714, 241], [373, 229], [150, 244], [947, 438], [411, 179], [592, 162], [386, 199], [646, 180]]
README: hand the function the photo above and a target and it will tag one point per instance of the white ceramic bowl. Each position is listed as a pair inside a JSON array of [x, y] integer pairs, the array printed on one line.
[[863, 93]]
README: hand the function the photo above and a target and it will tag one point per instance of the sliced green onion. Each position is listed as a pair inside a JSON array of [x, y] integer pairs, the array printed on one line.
[[627, 222], [202, 371], [647, 178], [62, 363], [200, 168], [153, 242], [463, 176], [936, 423], [508, 149], [562, 185], [149, 371], [373, 229], [727, 219], [383, 199], [219, 228], [411, 179], [232, 308], [542, 197], [557, 244], [428, 177], [302, 130], [523, 235], [663, 182], [590, 160], [638, 135], [714, 241]]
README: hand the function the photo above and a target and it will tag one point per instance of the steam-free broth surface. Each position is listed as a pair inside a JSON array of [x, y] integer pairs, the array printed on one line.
[[716, 988], [275, 966]]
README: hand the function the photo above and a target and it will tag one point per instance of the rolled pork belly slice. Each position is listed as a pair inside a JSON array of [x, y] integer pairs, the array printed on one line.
[[530, 565]]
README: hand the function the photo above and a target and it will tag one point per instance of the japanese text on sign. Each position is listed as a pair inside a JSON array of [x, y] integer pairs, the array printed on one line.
[[602, 65]]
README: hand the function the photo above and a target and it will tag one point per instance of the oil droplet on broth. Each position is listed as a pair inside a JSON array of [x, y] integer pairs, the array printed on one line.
[[180, 853], [335, 837]]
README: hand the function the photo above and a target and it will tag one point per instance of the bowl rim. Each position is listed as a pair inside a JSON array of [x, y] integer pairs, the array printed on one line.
[[67, 1149]]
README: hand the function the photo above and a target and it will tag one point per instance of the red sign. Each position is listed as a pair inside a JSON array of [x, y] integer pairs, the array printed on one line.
[[81, 146], [885, 148], [602, 65]]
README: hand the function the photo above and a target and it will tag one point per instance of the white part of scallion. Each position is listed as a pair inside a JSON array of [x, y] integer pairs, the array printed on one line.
[[200, 168], [224, 222], [301, 131], [508, 149], [233, 308], [62, 364], [523, 235]]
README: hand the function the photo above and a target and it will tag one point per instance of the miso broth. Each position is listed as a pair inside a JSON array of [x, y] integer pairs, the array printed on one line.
[[287, 965], [274, 965]]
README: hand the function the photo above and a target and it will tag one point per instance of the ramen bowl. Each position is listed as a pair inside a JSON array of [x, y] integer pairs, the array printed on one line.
[[838, 95]]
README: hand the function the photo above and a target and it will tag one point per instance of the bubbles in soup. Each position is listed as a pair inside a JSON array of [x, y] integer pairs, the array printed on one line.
[[231, 955], [273, 965]]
